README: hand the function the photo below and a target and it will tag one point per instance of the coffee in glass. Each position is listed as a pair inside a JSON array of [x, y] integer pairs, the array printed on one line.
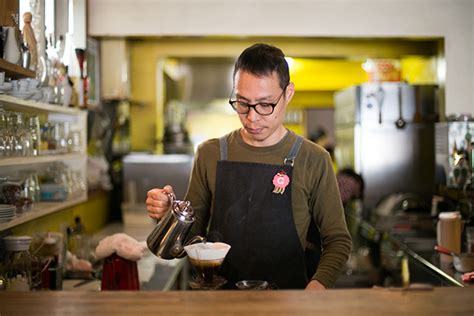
[[207, 258]]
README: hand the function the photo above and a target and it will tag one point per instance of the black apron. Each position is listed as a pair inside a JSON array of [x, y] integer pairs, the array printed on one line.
[[257, 223]]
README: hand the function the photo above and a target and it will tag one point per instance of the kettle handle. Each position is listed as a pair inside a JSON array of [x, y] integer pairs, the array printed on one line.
[[172, 199], [193, 240]]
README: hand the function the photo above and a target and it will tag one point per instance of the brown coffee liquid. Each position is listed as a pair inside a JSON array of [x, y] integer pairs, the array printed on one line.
[[207, 269]]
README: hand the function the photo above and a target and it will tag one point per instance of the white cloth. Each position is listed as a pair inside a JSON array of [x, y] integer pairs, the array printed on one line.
[[122, 244]]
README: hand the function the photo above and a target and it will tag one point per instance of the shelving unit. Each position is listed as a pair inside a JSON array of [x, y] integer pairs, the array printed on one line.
[[14, 71], [18, 161], [43, 208], [14, 104], [77, 160]]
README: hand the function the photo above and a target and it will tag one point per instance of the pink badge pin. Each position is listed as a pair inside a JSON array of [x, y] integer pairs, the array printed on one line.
[[280, 181]]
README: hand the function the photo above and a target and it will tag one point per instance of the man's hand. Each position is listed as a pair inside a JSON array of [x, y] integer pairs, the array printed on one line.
[[315, 285], [158, 201]]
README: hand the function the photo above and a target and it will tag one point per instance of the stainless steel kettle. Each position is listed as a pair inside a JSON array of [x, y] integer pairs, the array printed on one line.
[[168, 237]]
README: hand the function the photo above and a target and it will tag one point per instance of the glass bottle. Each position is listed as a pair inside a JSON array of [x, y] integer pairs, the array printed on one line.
[[12, 47], [51, 274], [53, 137], [45, 137]]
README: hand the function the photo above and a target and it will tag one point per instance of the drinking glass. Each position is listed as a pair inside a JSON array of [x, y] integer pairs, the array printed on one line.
[[31, 185], [3, 133], [19, 136], [34, 130], [14, 127], [76, 141]]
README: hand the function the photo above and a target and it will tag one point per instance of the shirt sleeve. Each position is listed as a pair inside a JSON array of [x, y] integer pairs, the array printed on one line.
[[328, 213], [199, 194]]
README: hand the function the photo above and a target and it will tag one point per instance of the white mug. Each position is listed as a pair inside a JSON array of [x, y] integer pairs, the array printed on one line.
[[449, 231], [23, 85], [14, 85]]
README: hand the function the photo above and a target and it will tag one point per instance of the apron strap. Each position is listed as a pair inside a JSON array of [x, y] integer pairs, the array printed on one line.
[[290, 158], [223, 147]]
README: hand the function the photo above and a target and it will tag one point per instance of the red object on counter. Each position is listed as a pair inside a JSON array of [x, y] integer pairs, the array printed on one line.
[[468, 277], [119, 274]]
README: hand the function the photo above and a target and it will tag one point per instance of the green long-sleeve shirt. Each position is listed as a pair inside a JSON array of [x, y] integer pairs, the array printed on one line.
[[314, 194]]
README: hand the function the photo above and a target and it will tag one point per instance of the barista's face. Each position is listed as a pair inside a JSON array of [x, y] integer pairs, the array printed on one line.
[[259, 130]]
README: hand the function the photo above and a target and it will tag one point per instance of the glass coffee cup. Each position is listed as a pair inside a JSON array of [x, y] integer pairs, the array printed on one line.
[[206, 259]]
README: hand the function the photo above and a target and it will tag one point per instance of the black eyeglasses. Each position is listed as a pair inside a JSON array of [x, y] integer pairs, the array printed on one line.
[[262, 108]]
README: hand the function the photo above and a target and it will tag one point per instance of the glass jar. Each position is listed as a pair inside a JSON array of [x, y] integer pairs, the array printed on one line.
[[31, 188], [62, 136], [21, 142], [18, 263]]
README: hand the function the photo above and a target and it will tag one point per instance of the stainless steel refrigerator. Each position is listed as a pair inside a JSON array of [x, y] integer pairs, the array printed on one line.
[[385, 132]]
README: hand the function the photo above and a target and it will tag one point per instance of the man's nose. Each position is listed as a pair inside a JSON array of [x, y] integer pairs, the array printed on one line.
[[252, 115]]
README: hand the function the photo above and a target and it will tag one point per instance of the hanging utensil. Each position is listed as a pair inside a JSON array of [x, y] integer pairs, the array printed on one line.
[[400, 123], [417, 118], [380, 97]]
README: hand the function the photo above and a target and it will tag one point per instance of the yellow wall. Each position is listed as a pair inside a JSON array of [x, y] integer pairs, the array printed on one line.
[[326, 74], [321, 66], [94, 215]]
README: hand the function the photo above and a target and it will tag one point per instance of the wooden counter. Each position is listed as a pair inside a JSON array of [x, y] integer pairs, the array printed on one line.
[[439, 301]]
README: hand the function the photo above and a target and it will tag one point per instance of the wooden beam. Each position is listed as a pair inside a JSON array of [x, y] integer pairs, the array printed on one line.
[[7, 8]]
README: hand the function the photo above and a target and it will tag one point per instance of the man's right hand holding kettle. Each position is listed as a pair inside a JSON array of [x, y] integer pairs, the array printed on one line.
[[158, 201]]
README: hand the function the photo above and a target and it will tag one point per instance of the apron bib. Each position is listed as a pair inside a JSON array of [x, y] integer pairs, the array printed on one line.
[[255, 217]]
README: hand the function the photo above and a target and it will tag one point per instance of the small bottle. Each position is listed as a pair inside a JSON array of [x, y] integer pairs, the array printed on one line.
[[77, 239], [51, 276]]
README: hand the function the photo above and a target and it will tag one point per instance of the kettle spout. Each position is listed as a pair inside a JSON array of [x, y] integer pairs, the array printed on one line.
[[180, 253]]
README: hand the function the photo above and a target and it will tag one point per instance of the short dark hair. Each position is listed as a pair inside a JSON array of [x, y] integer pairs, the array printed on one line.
[[262, 60]]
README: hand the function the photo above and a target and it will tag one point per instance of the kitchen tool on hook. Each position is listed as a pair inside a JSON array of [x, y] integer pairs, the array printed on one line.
[[379, 97], [400, 123]]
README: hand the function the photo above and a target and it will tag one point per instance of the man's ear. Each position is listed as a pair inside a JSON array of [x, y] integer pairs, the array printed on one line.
[[290, 91]]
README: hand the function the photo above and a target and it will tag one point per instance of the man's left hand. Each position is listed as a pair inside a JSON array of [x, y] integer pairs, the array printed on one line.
[[315, 285]]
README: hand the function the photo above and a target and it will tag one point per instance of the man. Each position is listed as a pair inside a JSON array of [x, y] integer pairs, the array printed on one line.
[[259, 187]]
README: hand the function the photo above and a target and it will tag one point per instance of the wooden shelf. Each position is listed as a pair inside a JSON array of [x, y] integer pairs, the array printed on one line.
[[17, 161], [54, 113], [14, 71], [44, 208], [10, 103]]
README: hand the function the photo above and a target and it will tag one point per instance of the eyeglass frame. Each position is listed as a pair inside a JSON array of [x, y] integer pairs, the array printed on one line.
[[254, 106]]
